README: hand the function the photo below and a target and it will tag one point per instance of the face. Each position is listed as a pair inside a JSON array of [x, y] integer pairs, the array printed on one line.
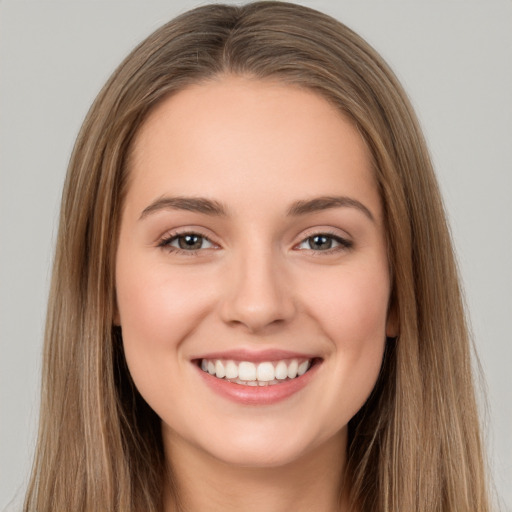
[[252, 277]]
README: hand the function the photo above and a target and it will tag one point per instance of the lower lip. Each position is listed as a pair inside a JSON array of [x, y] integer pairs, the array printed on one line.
[[258, 395]]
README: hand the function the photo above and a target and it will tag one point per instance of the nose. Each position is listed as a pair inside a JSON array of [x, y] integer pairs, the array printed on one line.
[[258, 294]]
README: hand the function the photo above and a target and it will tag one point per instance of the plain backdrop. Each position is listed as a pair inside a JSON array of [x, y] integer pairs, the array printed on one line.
[[454, 58]]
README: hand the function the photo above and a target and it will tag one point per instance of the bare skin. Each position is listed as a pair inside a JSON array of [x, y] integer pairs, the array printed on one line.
[[252, 231], [309, 484]]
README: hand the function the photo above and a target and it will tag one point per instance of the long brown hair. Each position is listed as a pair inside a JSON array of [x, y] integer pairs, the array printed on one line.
[[415, 445]]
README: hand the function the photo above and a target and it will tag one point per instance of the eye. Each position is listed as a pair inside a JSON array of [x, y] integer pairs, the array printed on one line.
[[324, 242], [187, 242]]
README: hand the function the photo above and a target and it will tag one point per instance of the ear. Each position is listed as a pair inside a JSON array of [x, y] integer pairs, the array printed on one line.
[[392, 322]]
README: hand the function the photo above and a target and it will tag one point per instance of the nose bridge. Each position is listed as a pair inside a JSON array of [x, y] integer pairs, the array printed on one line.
[[258, 294]]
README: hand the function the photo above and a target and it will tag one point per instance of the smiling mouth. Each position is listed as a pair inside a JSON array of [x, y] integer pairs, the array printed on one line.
[[264, 373]]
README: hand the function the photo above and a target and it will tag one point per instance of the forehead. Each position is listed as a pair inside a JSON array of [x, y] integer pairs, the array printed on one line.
[[266, 137]]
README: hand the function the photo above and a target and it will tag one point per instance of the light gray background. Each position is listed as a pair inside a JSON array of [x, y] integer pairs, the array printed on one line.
[[455, 60]]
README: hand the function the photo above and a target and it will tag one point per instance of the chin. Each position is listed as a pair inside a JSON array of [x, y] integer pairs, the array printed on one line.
[[258, 456], [262, 448]]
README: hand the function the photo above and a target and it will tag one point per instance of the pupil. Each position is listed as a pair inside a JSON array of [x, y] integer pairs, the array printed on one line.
[[320, 242], [190, 242]]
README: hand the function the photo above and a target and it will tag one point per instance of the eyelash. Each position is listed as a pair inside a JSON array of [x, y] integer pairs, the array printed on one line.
[[165, 243], [344, 244]]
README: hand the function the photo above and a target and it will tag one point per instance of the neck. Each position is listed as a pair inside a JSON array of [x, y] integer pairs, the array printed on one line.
[[203, 482]]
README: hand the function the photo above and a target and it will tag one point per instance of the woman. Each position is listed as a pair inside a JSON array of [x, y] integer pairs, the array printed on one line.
[[255, 301]]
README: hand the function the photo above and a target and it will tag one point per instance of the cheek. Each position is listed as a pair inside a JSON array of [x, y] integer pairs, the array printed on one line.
[[356, 324], [155, 305], [351, 304], [351, 308], [157, 310]]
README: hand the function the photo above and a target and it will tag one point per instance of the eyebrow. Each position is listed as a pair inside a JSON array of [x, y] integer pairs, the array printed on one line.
[[192, 204], [215, 208], [318, 204]]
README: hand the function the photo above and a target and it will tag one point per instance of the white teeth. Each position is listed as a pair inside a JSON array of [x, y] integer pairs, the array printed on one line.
[[281, 370], [220, 372], [266, 373], [292, 369], [246, 371], [302, 368], [231, 370]]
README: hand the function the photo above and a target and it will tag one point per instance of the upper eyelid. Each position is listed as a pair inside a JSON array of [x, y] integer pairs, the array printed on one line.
[[165, 240], [343, 242], [178, 235], [325, 230], [174, 233], [165, 243], [330, 231]]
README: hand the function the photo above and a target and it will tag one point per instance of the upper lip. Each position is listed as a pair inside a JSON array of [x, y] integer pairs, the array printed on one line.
[[242, 354]]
